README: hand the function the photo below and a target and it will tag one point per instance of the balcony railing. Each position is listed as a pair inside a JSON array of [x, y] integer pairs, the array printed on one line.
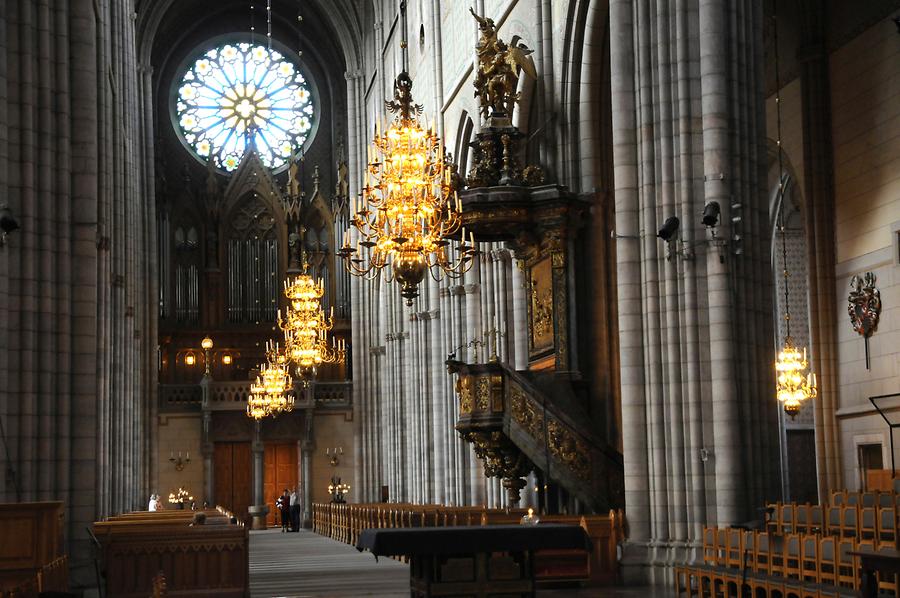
[[232, 396]]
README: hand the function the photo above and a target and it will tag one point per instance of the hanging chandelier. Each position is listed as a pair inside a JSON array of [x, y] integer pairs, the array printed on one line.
[[306, 327], [258, 404], [409, 209], [271, 394], [794, 382]]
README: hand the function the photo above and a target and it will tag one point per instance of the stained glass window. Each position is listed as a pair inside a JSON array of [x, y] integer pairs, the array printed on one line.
[[237, 90]]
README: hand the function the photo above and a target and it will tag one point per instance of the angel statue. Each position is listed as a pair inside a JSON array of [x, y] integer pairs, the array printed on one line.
[[498, 66]]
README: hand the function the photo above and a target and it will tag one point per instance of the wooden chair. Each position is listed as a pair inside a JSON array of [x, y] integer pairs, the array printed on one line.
[[887, 526], [801, 513], [791, 567], [710, 551], [847, 569], [809, 559], [868, 499], [816, 519], [828, 574], [885, 499], [787, 520], [867, 526], [850, 522], [734, 551], [833, 521]]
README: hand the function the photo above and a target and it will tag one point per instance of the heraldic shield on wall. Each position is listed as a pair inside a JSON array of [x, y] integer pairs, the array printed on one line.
[[864, 307]]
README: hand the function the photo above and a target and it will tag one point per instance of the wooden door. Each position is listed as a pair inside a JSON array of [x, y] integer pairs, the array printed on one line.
[[281, 473], [233, 477]]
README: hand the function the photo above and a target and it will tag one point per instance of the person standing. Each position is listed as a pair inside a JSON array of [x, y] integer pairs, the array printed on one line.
[[295, 509], [285, 507]]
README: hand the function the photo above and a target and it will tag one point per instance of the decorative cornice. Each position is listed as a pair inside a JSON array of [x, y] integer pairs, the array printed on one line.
[[378, 350]]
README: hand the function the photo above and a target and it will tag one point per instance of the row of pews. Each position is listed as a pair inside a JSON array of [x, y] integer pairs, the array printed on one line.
[[34, 562], [209, 559], [344, 522]]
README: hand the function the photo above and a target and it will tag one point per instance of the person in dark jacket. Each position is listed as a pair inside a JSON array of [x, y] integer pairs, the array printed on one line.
[[284, 505]]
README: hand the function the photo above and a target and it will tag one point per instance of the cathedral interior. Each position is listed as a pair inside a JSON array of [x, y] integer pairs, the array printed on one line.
[[523, 267]]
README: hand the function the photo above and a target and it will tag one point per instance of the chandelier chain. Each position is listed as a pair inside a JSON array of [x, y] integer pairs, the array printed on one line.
[[781, 224]]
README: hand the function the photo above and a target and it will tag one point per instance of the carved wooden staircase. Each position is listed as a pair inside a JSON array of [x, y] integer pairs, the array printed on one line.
[[521, 421]]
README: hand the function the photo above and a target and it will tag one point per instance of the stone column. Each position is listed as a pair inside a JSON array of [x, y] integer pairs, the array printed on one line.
[[306, 475], [818, 194], [687, 114], [259, 509]]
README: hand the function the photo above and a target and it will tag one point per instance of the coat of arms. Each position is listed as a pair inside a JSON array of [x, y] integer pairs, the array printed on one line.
[[864, 307], [864, 304]]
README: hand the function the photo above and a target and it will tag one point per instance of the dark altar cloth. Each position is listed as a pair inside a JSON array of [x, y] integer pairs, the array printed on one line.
[[471, 539]]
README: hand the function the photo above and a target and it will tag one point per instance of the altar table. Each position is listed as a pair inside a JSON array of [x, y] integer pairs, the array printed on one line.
[[472, 560]]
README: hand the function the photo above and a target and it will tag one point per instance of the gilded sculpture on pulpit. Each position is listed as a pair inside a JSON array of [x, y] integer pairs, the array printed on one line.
[[498, 65]]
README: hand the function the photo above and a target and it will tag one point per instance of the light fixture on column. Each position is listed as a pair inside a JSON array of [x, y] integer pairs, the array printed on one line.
[[8, 223], [206, 344], [408, 210], [795, 383]]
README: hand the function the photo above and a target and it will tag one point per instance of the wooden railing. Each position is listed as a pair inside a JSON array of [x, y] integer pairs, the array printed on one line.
[[31, 548], [52, 577], [344, 522]]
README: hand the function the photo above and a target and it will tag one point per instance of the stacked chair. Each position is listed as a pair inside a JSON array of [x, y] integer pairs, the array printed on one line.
[[803, 552]]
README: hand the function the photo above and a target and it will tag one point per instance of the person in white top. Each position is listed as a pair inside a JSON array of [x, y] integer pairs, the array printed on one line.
[[154, 503]]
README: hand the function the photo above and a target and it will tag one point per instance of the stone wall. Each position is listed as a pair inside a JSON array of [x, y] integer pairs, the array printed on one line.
[[865, 97], [77, 331]]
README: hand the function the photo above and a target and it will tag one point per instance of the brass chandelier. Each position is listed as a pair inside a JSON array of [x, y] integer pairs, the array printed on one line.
[[794, 382], [271, 394], [409, 209], [306, 327]]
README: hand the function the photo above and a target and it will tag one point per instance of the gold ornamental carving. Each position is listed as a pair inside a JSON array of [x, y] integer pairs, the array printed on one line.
[[569, 449], [464, 390], [498, 66], [526, 415], [482, 393]]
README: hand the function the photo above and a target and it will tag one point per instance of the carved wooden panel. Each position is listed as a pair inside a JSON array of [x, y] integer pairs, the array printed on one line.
[[233, 476], [540, 309], [37, 529]]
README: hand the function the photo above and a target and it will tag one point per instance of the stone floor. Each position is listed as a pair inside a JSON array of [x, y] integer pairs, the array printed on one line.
[[305, 565]]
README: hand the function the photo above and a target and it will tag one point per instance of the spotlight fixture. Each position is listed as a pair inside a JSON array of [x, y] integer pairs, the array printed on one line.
[[8, 223], [711, 213], [669, 229]]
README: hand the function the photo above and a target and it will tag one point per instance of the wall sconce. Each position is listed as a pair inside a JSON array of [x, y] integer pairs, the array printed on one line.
[[334, 455], [8, 223], [189, 359], [226, 359], [179, 461]]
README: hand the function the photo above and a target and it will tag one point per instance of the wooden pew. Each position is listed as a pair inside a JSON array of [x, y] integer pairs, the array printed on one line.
[[202, 560]]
